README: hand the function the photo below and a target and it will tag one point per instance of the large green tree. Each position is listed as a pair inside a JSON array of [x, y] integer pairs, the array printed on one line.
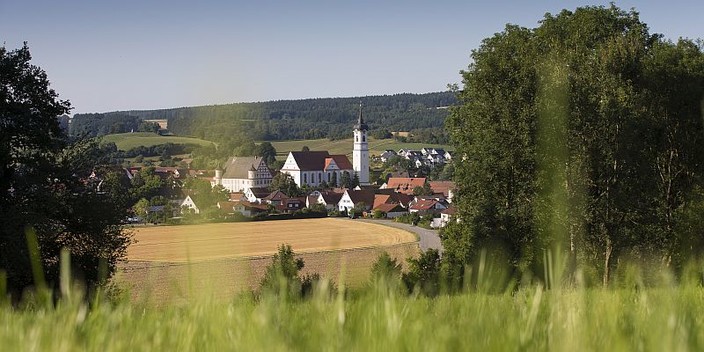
[[50, 186], [580, 134]]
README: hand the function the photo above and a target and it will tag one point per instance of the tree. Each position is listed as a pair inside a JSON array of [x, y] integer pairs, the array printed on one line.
[[285, 183], [424, 273], [305, 149], [267, 151], [47, 192], [281, 277], [574, 141], [386, 270], [346, 180]]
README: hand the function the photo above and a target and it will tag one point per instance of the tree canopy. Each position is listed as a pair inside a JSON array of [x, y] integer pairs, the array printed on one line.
[[52, 189], [583, 134]]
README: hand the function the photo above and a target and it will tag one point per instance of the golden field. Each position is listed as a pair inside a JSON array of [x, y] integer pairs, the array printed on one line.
[[174, 262]]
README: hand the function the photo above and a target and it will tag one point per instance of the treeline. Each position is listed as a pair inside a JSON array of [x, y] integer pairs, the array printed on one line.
[[166, 149], [94, 125], [282, 120]]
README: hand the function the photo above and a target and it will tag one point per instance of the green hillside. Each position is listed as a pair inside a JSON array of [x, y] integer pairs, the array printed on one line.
[[127, 141], [344, 146]]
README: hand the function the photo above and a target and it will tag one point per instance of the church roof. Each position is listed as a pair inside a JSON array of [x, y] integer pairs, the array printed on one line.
[[361, 125], [238, 166], [342, 162], [310, 161], [318, 161]]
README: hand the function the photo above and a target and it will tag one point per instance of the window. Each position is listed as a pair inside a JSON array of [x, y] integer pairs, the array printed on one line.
[[356, 138], [320, 177], [305, 178], [364, 138]]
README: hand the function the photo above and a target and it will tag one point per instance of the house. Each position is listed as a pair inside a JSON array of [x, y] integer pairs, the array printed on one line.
[[249, 209], [404, 184], [315, 167], [390, 210], [352, 197], [446, 188], [274, 198], [290, 205], [427, 206], [386, 155], [242, 173], [227, 207], [328, 199], [256, 194], [189, 204], [445, 217]]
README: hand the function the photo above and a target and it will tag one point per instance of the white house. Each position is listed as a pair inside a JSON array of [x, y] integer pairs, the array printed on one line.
[[352, 197], [188, 203], [242, 173]]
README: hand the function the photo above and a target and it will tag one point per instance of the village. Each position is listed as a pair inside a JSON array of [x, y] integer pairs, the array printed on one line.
[[309, 184]]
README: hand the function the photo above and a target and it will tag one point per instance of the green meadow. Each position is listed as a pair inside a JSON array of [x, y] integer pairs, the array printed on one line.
[[127, 141]]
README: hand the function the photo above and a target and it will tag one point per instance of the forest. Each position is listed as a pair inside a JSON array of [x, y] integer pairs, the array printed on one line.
[[282, 120]]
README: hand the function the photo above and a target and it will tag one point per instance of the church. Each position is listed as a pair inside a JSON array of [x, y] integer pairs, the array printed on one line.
[[315, 167], [310, 168]]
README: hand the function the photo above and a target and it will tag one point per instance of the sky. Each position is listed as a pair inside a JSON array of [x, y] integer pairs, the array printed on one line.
[[150, 54]]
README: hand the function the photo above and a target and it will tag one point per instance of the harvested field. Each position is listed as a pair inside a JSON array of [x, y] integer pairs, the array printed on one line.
[[169, 262]]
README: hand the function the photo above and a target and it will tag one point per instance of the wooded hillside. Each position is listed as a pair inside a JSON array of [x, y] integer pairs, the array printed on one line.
[[281, 120]]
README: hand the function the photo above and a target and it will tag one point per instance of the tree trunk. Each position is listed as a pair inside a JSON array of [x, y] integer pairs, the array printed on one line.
[[607, 258]]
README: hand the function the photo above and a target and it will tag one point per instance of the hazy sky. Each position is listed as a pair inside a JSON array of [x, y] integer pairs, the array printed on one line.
[[143, 54]]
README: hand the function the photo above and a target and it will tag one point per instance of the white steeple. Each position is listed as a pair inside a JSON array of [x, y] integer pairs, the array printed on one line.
[[360, 153]]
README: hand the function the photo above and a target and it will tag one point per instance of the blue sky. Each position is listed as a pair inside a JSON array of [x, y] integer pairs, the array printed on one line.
[[121, 55]]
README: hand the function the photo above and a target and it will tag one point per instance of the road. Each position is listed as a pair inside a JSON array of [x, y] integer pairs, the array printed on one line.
[[428, 238]]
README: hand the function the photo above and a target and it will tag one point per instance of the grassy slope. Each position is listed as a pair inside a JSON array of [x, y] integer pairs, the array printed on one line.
[[344, 146], [127, 141], [667, 319]]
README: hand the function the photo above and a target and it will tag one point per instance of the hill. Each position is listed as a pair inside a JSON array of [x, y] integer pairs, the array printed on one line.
[[127, 141], [282, 120]]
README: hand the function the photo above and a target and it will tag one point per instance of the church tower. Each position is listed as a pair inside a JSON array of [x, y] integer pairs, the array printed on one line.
[[360, 153]]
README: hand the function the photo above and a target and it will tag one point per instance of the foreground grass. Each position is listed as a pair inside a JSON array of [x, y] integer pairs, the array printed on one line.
[[666, 319]]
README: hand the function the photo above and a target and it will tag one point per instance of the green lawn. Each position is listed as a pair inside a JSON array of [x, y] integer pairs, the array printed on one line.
[[344, 146], [127, 141]]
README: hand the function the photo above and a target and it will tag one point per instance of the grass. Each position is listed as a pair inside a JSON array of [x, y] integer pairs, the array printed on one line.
[[344, 146], [127, 141], [665, 319]]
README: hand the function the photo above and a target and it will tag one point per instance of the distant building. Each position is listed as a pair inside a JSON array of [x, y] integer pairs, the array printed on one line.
[[242, 173], [360, 152], [315, 167]]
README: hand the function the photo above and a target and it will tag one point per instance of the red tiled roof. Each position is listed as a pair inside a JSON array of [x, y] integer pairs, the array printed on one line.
[[388, 208], [404, 184], [424, 204], [450, 211], [443, 187], [342, 162], [380, 199]]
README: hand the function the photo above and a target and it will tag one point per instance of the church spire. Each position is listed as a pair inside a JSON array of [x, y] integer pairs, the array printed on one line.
[[360, 120]]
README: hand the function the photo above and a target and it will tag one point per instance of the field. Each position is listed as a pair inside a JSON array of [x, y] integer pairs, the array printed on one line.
[[236, 254], [344, 146], [127, 141]]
